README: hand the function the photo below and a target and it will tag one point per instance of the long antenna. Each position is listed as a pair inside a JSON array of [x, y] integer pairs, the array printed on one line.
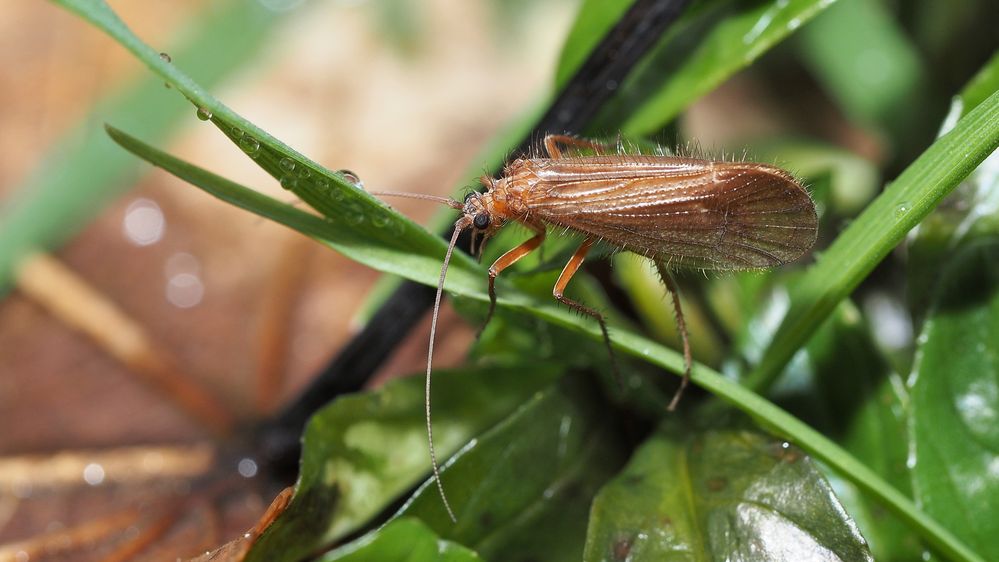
[[462, 224], [443, 200]]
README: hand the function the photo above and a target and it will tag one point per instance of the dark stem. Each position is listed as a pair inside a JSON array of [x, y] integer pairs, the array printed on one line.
[[586, 92]]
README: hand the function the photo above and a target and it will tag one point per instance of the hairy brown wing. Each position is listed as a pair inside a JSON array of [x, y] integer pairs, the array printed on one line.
[[692, 213]]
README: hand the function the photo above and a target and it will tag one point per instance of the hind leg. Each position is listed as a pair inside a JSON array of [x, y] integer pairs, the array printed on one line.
[[681, 327]]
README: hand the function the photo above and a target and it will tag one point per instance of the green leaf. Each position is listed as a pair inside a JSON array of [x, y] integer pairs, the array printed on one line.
[[522, 490], [363, 451], [955, 400], [402, 540], [720, 495], [877, 230], [83, 170], [711, 42]]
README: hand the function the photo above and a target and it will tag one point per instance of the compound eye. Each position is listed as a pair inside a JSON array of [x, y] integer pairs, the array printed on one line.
[[481, 221]]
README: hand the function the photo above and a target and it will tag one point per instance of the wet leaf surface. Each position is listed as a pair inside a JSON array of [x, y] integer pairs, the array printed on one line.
[[402, 540], [363, 451], [720, 495], [522, 491], [954, 424]]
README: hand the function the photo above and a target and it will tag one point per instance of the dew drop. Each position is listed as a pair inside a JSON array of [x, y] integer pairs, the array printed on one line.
[[303, 172], [249, 145], [354, 215], [351, 177], [380, 221], [323, 186], [204, 114], [166, 57], [287, 164], [901, 210], [289, 182]]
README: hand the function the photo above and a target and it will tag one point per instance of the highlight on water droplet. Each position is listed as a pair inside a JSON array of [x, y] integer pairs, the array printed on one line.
[[204, 114], [287, 164], [901, 210], [351, 177], [166, 57]]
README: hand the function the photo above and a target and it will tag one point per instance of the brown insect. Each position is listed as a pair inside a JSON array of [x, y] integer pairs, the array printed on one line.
[[678, 212]]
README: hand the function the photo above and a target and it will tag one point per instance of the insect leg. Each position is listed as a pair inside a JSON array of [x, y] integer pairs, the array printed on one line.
[[508, 259], [552, 143], [558, 292], [681, 326]]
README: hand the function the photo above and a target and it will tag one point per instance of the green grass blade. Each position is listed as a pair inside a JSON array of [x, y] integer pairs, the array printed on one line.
[[881, 227]]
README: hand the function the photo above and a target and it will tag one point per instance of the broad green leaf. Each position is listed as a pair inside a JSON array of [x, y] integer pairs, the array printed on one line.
[[954, 422], [522, 490], [363, 451], [720, 495], [712, 41], [83, 170], [401, 540]]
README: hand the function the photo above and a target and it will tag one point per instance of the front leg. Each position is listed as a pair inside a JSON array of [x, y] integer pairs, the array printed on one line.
[[509, 258]]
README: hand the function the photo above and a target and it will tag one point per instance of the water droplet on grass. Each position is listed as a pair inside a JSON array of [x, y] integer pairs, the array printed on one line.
[[204, 114], [351, 177], [249, 145], [901, 210]]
